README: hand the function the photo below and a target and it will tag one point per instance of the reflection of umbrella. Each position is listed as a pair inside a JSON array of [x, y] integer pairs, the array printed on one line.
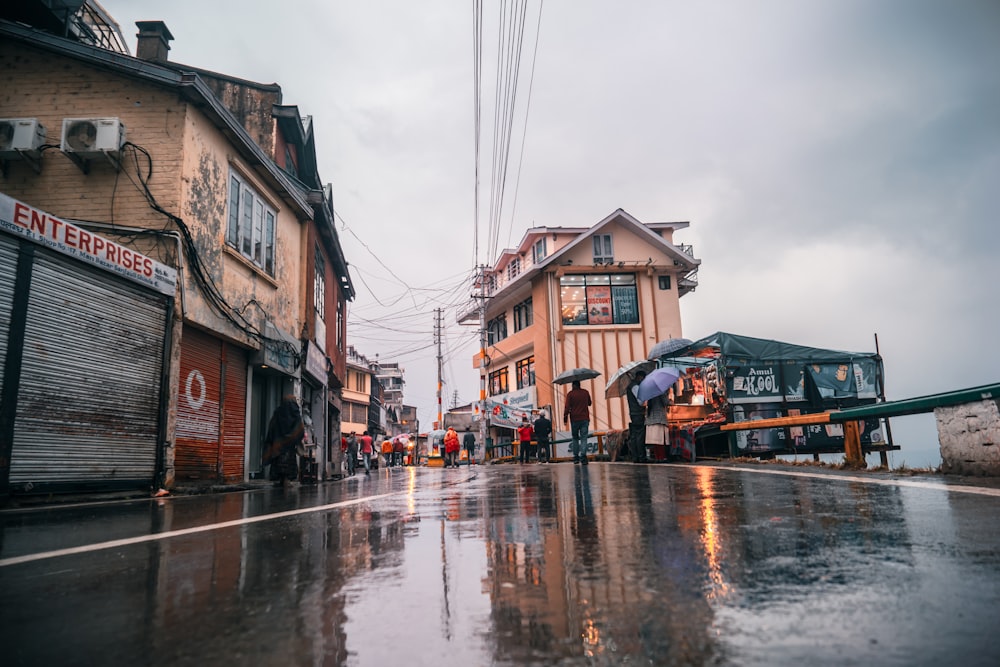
[[657, 382], [667, 346], [574, 374], [620, 381]]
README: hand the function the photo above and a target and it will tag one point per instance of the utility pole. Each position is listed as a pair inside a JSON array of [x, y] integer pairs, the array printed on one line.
[[437, 334], [484, 364]]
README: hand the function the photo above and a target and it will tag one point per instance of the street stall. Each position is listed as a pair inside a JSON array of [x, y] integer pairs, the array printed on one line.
[[726, 378]]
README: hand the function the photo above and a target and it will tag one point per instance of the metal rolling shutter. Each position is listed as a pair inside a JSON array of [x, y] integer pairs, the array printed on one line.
[[88, 404], [197, 432], [8, 273], [234, 413]]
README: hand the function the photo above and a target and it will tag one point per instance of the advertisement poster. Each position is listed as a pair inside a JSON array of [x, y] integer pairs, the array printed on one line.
[[626, 301], [765, 382], [506, 410], [814, 437], [845, 380], [599, 304]]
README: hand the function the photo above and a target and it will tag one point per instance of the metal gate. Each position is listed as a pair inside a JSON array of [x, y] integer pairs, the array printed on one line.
[[87, 407], [211, 409]]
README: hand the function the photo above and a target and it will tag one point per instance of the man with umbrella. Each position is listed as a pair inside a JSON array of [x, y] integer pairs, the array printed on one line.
[[577, 415], [636, 419]]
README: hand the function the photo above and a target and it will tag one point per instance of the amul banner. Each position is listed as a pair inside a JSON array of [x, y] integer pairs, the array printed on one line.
[[35, 225]]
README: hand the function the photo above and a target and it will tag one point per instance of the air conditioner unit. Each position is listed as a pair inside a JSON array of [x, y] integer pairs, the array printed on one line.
[[19, 136], [92, 137]]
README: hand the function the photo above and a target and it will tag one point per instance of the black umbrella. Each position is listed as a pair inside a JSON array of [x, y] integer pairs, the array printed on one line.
[[667, 346], [574, 374]]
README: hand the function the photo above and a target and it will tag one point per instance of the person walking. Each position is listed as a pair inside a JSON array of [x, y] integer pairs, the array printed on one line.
[[285, 433], [524, 435], [352, 453], [636, 420], [451, 447], [387, 452], [469, 444], [543, 432], [367, 449], [577, 415], [397, 451], [657, 433]]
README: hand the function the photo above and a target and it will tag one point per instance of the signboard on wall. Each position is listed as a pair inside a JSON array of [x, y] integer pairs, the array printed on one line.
[[506, 410], [64, 237]]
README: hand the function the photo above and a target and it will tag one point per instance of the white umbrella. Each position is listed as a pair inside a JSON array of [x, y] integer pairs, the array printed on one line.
[[574, 374], [623, 377]]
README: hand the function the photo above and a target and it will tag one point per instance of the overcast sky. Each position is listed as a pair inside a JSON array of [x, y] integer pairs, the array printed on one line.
[[839, 162]]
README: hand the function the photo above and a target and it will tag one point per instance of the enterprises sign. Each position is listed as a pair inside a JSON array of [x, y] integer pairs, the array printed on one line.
[[66, 238]]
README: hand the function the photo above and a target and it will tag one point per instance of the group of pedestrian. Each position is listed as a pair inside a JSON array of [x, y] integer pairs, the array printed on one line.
[[534, 439], [647, 422], [392, 452]]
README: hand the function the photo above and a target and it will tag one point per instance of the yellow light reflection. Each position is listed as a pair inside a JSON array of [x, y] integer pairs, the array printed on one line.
[[591, 639], [411, 491], [710, 536]]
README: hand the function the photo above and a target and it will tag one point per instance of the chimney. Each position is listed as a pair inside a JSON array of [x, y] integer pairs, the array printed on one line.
[[154, 40]]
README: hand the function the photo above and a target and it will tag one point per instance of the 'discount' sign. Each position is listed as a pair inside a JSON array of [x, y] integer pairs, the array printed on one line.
[[18, 218]]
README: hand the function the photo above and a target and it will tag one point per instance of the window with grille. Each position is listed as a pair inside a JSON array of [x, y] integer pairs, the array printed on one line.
[[499, 382], [525, 372], [251, 224], [522, 315], [496, 329], [603, 253]]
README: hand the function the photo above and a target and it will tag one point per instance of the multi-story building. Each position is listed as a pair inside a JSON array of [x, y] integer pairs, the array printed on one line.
[[391, 377], [569, 297], [203, 174], [360, 412]]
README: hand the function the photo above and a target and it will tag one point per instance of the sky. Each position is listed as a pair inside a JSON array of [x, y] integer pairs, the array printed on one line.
[[838, 162]]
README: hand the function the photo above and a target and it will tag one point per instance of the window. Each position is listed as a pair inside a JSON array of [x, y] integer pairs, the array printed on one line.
[[664, 282], [526, 372], [522, 315], [319, 286], [340, 324], [499, 382], [250, 224], [600, 298], [496, 329], [603, 254], [538, 251], [514, 268]]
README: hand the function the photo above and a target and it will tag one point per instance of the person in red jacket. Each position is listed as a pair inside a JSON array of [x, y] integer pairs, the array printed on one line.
[[524, 436], [367, 449], [577, 416], [451, 447]]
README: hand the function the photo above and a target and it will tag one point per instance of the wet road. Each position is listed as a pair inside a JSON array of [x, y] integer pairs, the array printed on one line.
[[608, 564]]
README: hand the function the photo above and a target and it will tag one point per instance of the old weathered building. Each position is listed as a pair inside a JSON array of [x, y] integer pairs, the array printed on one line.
[[212, 176]]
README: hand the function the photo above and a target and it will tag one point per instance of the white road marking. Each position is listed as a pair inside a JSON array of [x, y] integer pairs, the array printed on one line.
[[113, 544], [912, 483]]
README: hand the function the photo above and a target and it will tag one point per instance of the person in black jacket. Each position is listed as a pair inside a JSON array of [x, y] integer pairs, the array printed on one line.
[[637, 421], [469, 445], [543, 432]]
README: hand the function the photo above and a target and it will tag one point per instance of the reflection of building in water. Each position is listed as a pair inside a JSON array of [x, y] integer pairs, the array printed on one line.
[[301, 568]]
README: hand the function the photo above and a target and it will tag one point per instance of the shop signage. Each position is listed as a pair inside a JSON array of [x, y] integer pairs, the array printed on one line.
[[18, 218], [315, 362], [765, 382], [506, 410]]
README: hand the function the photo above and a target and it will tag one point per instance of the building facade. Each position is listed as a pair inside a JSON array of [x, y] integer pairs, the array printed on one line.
[[596, 297], [214, 178]]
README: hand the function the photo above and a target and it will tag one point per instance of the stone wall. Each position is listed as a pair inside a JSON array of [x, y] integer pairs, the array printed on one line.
[[969, 436]]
